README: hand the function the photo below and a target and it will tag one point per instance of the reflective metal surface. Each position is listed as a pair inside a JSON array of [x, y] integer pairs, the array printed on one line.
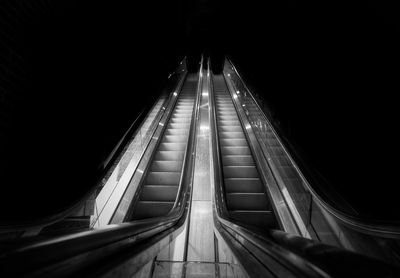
[[201, 233]]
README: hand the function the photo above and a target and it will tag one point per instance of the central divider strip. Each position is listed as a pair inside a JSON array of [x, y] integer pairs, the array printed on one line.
[[201, 229]]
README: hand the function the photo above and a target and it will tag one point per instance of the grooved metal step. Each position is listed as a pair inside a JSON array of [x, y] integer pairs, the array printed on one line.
[[164, 177], [159, 193], [233, 142], [172, 147], [264, 219], [246, 201], [184, 125], [177, 131], [174, 139], [147, 209], [166, 166], [245, 185], [235, 150], [240, 172], [230, 128], [231, 134], [169, 155], [238, 160]]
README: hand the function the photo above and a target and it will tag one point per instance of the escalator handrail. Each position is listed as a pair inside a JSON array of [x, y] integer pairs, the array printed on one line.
[[103, 169], [362, 224], [191, 141], [36, 255]]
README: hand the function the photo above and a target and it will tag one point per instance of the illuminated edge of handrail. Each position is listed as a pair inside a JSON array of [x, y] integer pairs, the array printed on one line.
[[191, 132]]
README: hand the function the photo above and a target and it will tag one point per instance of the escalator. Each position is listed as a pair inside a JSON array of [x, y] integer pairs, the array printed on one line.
[[246, 198], [161, 184], [200, 184]]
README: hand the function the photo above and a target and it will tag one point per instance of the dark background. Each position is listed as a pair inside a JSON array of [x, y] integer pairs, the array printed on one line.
[[75, 74]]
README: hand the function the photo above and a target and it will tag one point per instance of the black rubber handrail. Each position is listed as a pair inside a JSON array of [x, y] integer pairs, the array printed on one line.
[[71, 253], [280, 253]]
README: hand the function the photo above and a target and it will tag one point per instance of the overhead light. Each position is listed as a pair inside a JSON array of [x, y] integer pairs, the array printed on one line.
[[175, 93]]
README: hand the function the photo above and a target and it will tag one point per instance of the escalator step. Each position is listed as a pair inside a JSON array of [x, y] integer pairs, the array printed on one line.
[[174, 139], [147, 209], [231, 134], [177, 131], [246, 201], [240, 172], [244, 185], [235, 128], [169, 155], [172, 147], [166, 166], [229, 122], [159, 193], [163, 178], [184, 125], [263, 219], [237, 160], [179, 120], [233, 142]]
